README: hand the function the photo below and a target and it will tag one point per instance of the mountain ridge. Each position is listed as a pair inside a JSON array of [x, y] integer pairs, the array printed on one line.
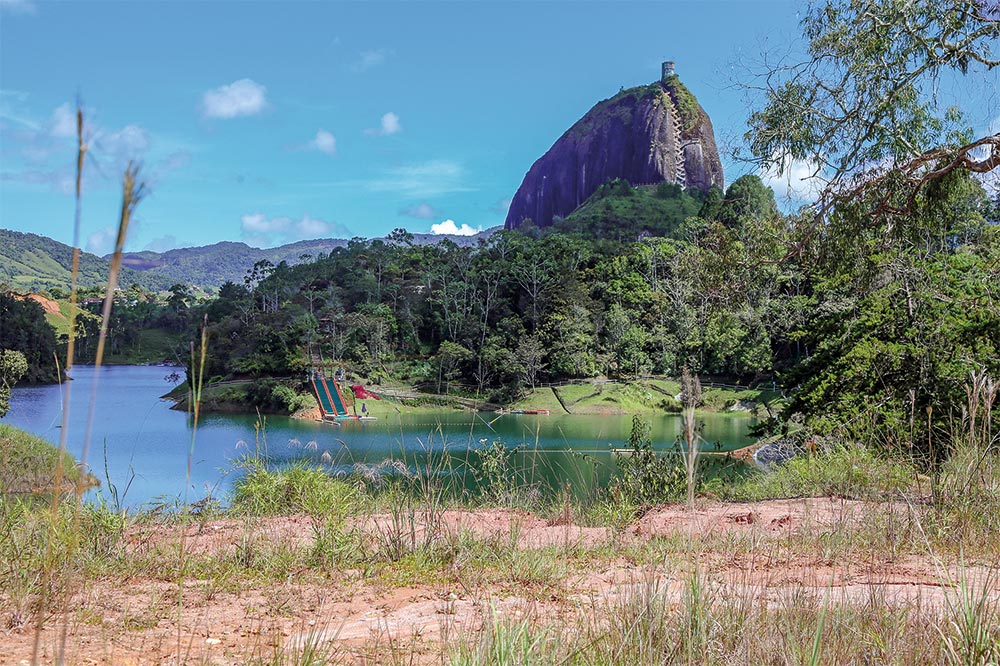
[[32, 262]]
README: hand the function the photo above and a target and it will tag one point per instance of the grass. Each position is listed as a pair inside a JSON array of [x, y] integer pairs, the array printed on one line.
[[671, 600], [540, 398], [28, 464], [60, 322], [852, 472], [298, 489], [648, 396]]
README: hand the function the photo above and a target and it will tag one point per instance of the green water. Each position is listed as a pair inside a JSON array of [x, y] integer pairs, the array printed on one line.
[[145, 446]]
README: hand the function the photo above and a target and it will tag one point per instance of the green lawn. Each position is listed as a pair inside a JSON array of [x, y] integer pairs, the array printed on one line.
[[540, 398]]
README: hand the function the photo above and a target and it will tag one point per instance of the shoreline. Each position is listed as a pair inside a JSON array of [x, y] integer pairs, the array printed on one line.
[[642, 398]]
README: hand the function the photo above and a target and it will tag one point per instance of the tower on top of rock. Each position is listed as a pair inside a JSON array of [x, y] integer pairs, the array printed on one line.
[[668, 69]]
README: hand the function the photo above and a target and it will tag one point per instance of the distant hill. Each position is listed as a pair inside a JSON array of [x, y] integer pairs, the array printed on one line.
[[29, 262], [207, 266], [212, 265]]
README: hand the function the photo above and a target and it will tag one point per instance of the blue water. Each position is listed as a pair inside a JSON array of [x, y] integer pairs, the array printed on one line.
[[142, 447]]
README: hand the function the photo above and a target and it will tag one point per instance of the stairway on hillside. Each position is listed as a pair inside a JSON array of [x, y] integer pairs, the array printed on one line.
[[680, 171]]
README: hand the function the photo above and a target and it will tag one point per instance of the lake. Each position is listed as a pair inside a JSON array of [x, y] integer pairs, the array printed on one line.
[[139, 443]]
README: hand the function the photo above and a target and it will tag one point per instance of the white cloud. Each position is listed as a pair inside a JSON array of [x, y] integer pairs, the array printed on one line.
[[449, 227], [390, 125], [258, 229], [102, 242], [324, 142], [17, 6], [60, 180], [423, 180], [795, 180], [42, 148], [172, 162], [63, 122], [130, 142], [371, 58], [421, 211], [13, 108], [162, 244], [501, 206], [239, 98]]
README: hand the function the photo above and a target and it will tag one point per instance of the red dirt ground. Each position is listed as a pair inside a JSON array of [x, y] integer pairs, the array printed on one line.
[[741, 548]]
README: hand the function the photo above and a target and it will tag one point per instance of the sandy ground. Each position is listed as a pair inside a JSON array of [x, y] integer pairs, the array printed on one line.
[[741, 548]]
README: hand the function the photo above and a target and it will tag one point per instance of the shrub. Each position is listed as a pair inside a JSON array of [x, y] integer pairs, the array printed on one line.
[[296, 489], [844, 471], [644, 478]]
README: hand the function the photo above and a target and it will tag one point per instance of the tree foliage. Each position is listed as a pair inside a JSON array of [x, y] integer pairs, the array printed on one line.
[[864, 97], [899, 254], [23, 328], [13, 366], [521, 310]]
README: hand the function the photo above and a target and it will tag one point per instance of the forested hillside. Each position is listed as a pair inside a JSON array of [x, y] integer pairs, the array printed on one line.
[[29, 262], [23, 328], [863, 329]]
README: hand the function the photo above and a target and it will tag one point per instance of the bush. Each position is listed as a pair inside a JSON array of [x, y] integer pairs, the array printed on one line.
[[495, 475], [643, 477], [854, 472], [294, 490], [28, 464], [270, 396]]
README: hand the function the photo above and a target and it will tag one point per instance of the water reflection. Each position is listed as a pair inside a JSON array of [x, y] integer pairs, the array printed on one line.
[[145, 445]]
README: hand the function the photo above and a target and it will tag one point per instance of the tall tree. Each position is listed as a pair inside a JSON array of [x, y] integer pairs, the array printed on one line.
[[862, 106]]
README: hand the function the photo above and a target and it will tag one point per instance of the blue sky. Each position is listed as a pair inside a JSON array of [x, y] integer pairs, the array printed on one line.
[[270, 122]]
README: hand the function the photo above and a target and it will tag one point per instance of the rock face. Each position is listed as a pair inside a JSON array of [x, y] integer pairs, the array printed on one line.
[[644, 135]]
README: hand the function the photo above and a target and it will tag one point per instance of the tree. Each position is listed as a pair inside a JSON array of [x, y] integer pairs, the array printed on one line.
[[862, 109], [179, 302], [895, 337], [747, 199], [23, 328], [13, 366], [449, 358], [531, 355], [896, 247]]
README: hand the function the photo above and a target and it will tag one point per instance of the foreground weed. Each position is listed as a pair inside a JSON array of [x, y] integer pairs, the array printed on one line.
[[973, 626], [503, 642]]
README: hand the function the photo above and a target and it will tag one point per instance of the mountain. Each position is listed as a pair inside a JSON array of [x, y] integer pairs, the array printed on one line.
[[206, 266], [212, 265], [644, 136], [29, 262]]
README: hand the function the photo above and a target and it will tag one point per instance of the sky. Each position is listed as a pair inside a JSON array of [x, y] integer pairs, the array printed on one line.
[[269, 122]]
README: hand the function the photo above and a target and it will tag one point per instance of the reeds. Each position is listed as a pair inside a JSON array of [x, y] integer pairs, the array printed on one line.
[[691, 389], [55, 579]]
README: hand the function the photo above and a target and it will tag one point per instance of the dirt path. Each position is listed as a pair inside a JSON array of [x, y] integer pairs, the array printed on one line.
[[758, 552]]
